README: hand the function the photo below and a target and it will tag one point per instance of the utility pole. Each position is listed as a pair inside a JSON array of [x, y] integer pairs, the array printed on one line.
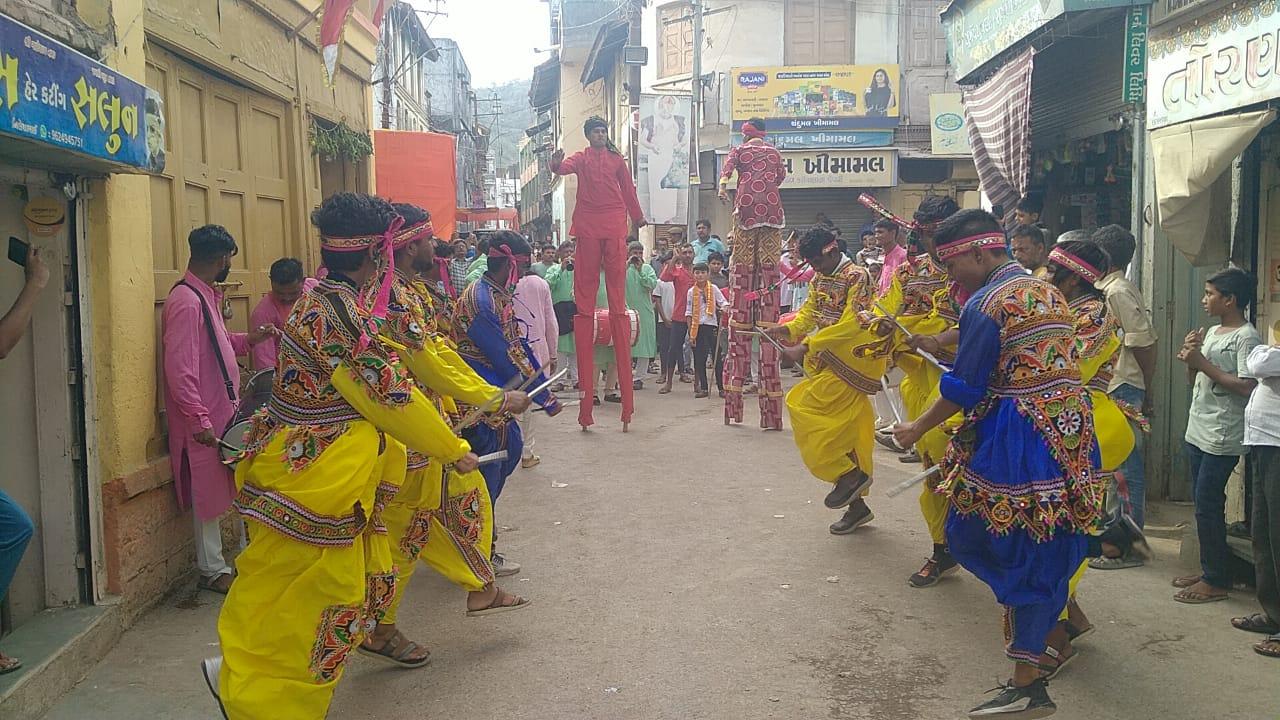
[[695, 119]]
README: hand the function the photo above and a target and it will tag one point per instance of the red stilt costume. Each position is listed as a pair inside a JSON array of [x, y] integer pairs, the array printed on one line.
[[606, 196], [758, 220]]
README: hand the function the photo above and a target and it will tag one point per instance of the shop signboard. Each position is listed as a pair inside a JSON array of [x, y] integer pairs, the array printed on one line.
[[947, 130], [1222, 62], [1135, 55], [839, 168], [979, 30], [52, 94], [823, 139], [819, 98]]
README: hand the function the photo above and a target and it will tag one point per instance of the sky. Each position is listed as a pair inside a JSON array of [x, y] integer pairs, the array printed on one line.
[[497, 37]]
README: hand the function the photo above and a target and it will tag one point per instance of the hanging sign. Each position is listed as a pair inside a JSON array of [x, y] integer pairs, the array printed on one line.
[[1135, 54]]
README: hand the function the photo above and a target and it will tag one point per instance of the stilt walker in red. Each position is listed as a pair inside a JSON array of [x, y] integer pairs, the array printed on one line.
[[606, 197], [756, 249]]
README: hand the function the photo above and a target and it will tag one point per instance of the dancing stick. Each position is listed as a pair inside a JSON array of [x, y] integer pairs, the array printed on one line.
[[906, 485], [922, 353], [492, 457], [550, 381], [888, 397], [778, 345], [476, 412]]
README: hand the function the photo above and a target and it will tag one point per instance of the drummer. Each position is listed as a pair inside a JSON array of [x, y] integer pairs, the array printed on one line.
[[201, 392]]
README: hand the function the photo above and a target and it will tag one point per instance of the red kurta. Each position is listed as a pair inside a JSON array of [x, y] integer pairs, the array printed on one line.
[[606, 194]]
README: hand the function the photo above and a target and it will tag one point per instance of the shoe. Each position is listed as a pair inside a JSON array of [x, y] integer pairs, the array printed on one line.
[[686, 378], [210, 669], [700, 394], [848, 488], [595, 401], [855, 517], [751, 389], [1023, 703], [722, 393], [935, 568], [1125, 534], [886, 440], [613, 398], [910, 456], [531, 461], [1124, 562], [502, 567], [637, 385]]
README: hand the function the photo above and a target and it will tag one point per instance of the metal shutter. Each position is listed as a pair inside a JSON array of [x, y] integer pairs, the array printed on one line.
[[839, 204], [1077, 82]]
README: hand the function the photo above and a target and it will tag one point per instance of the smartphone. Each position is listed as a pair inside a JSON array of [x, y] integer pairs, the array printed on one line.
[[18, 251]]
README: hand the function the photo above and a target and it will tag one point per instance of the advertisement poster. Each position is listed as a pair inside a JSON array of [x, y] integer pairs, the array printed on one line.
[[813, 98], [839, 169], [947, 131], [662, 158], [52, 94]]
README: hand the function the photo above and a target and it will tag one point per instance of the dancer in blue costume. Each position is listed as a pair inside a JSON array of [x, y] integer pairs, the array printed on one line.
[[1020, 472], [493, 344]]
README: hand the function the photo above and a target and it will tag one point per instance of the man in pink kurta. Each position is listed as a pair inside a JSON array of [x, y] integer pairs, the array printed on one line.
[[288, 282], [537, 318], [198, 401]]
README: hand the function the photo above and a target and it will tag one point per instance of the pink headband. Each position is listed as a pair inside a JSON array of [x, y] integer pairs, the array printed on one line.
[[973, 242], [413, 233], [387, 239], [444, 277], [513, 273], [1073, 263]]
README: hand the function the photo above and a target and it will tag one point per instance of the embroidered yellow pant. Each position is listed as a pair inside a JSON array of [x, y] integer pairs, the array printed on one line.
[[919, 388], [833, 424], [297, 609], [455, 537]]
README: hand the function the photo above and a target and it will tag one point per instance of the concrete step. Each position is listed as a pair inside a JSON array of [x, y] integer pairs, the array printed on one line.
[[57, 649]]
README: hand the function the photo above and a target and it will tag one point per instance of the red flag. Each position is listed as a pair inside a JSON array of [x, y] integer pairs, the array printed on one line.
[[333, 23], [378, 13]]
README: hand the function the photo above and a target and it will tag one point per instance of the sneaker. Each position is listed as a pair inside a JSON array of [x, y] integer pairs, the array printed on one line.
[[1023, 703], [502, 567], [855, 517], [910, 456], [935, 568], [848, 488], [210, 669]]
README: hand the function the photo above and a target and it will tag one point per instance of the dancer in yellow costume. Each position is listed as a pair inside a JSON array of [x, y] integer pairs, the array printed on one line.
[[440, 516], [843, 360], [1074, 267], [920, 299], [319, 464]]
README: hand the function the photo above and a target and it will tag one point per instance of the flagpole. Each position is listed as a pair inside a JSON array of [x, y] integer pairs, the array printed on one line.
[[307, 21]]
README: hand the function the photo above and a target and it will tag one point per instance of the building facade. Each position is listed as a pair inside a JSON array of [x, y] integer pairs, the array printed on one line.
[[400, 97], [234, 97], [453, 111]]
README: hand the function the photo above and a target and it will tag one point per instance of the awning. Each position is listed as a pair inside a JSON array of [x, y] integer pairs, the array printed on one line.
[[1193, 191], [998, 114], [544, 89], [604, 52]]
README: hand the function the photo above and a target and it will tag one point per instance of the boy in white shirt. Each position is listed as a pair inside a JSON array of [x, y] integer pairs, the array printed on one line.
[[703, 306], [1262, 436]]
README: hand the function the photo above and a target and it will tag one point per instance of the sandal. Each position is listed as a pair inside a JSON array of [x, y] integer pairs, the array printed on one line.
[[1269, 647], [220, 584], [1049, 672], [396, 651], [1255, 623], [1185, 581], [9, 664], [1075, 633], [502, 602], [1191, 597]]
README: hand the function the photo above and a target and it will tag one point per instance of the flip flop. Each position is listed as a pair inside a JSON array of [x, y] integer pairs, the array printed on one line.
[[1186, 581], [1195, 598], [13, 665]]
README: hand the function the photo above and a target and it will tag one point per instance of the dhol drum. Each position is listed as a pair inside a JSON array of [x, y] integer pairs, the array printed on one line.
[[256, 393], [604, 330]]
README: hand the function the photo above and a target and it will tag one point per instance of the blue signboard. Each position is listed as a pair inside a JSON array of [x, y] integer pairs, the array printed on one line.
[[834, 139], [52, 94]]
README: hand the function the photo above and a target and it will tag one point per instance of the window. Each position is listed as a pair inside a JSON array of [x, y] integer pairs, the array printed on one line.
[[818, 32], [675, 39]]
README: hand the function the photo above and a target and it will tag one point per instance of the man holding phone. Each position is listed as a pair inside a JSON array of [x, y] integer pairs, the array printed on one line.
[[16, 528]]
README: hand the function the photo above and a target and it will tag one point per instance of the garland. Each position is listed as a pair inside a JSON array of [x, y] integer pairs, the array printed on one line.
[[339, 142]]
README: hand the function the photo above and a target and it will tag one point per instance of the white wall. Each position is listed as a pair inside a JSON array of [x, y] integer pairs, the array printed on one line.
[[748, 33], [875, 32]]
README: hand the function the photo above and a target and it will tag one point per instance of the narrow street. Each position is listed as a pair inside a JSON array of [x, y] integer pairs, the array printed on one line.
[[685, 571]]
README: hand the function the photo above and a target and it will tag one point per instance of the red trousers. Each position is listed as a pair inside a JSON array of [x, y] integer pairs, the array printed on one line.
[[591, 256]]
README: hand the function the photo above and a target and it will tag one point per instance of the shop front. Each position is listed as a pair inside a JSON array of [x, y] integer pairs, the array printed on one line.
[[1214, 177], [65, 121], [1053, 104]]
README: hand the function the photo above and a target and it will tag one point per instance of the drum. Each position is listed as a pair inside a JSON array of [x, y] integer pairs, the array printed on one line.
[[256, 394], [604, 331], [233, 441]]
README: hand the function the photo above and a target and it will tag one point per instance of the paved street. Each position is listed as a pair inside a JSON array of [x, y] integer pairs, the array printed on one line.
[[686, 572]]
